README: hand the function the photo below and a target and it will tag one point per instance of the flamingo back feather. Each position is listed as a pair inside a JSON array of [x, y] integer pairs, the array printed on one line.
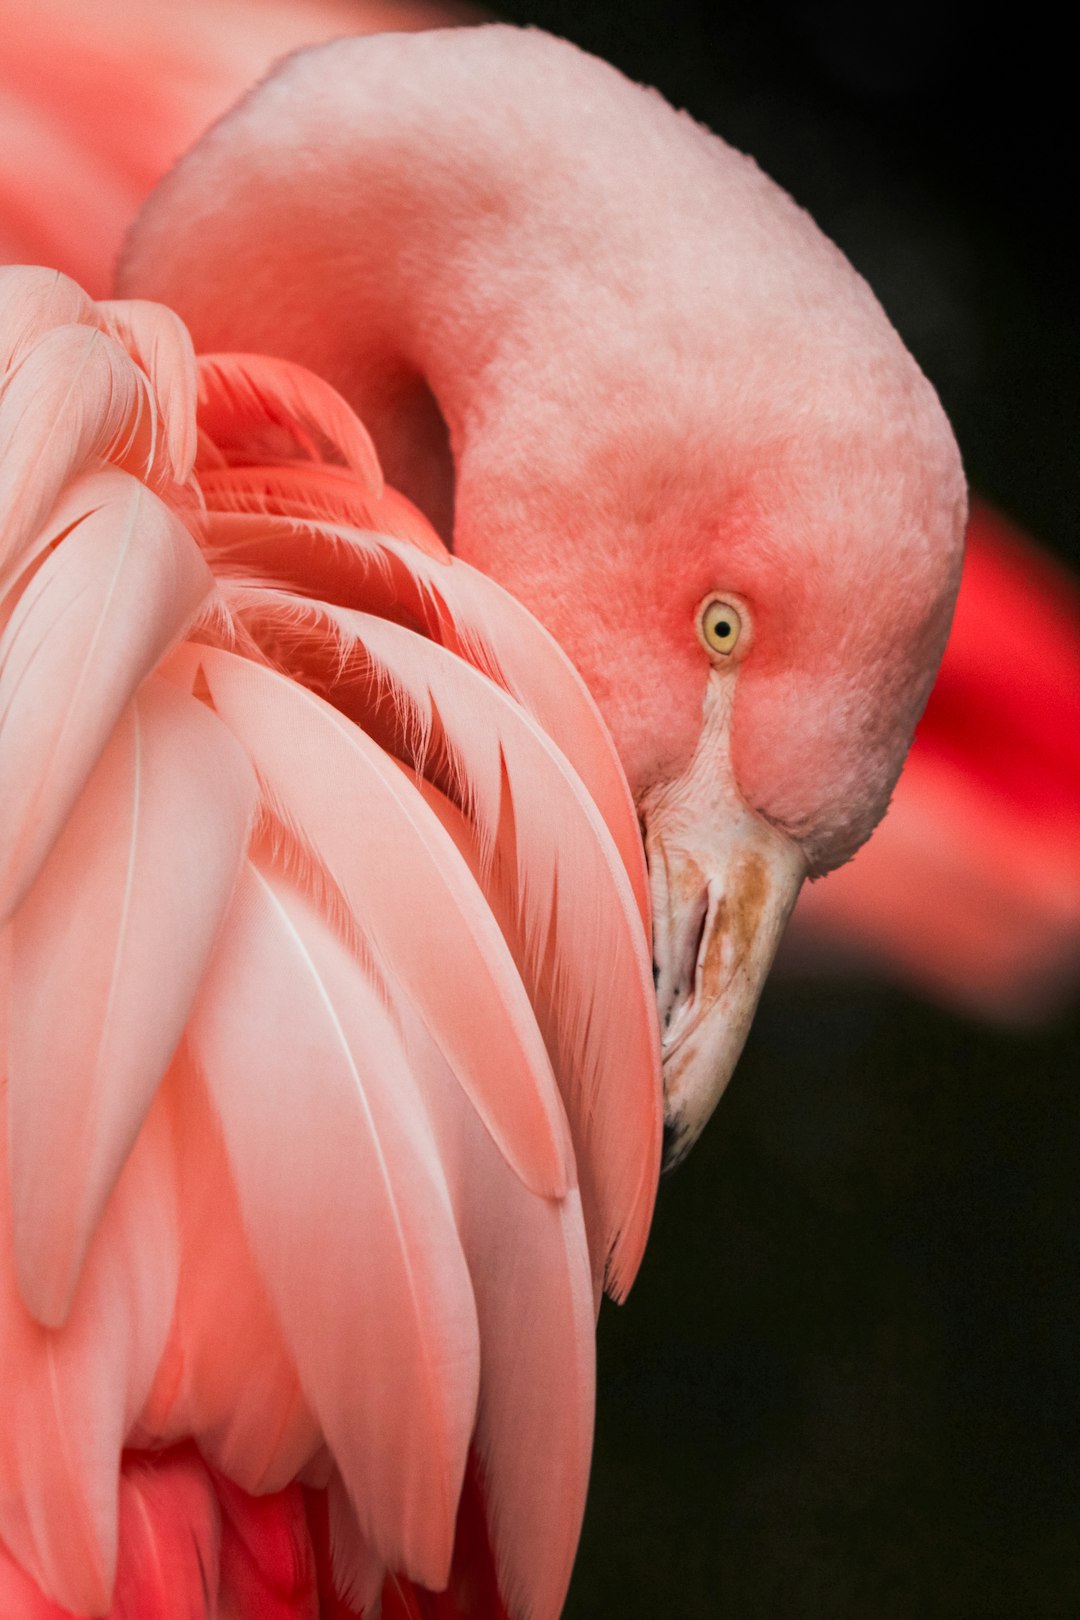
[[331, 1073]]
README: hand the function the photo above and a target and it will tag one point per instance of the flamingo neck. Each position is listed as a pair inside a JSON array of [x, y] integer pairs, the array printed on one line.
[[368, 214]]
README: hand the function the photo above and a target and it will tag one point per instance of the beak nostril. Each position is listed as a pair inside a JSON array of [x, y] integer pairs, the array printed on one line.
[[694, 956], [675, 967]]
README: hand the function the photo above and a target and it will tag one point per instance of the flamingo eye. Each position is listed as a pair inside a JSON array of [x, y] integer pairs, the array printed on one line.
[[720, 626]]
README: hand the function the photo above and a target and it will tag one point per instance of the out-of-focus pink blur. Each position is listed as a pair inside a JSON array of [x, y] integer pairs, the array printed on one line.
[[970, 890], [99, 99]]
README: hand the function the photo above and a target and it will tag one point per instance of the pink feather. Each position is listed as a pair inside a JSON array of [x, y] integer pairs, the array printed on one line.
[[93, 621], [246, 400], [267, 1563], [158, 342], [324, 494], [345, 1169], [529, 1261], [36, 300], [225, 1375], [317, 555], [574, 916], [116, 930], [171, 1540], [71, 1396], [75, 399], [412, 898]]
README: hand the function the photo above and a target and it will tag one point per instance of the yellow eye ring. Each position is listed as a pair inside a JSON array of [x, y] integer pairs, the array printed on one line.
[[720, 626]]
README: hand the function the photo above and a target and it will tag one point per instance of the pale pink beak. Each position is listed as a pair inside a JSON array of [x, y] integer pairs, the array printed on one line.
[[723, 883]]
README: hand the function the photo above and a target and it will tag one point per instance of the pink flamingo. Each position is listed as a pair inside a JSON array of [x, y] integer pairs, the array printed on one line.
[[964, 895], [333, 1067]]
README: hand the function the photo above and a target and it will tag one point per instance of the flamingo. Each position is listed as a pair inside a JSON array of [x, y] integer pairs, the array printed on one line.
[[334, 1074], [963, 895]]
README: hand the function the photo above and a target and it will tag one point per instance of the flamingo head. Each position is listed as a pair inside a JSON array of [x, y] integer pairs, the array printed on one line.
[[729, 491], [757, 586], [646, 394]]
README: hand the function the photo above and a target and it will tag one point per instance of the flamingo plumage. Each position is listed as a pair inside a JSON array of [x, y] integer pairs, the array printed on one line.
[[963, 895], [330, 855]]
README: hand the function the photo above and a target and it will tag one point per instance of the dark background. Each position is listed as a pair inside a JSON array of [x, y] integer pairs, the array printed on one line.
[[845, 1384]]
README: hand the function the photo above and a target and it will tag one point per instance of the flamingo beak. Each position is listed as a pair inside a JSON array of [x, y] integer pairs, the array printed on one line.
[[723, 884]]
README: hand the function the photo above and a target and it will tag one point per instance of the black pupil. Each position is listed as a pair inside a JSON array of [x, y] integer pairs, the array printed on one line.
[[723, 628]]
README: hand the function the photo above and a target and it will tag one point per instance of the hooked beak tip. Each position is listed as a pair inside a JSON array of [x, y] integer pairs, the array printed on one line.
[[677, 1144]]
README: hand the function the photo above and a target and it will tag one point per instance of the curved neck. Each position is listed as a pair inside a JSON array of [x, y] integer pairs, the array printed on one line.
[[372, 214]]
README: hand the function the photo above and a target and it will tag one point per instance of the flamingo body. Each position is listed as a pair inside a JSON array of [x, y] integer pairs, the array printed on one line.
[[324, 848], [961, 895]]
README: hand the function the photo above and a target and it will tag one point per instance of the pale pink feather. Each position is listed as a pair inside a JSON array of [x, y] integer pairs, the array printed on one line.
[[95, 618], [72, 1395], [158, 341], [313, 490], [535, 1307], [358, 1571], [226, 1374], [36, 300], [347, 1211], [74, 400], [116, 930]]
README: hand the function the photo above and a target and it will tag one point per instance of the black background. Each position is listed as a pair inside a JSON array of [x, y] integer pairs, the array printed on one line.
[[845, 1383]]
